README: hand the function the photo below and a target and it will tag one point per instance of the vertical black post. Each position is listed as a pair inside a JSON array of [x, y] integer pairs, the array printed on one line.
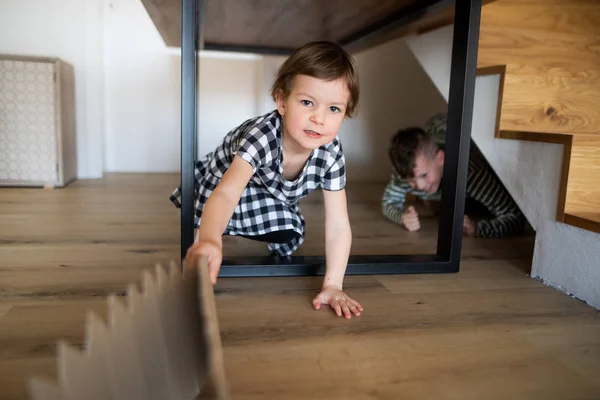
[[460, 113], [190, 39]]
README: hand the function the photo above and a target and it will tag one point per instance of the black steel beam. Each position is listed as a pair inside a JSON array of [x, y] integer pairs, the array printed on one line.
[[460, 111], [272, 51], [458, 133], [190, 24], [315, 265]]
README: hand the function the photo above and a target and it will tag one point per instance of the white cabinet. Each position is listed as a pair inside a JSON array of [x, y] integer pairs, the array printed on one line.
[[37, 122]]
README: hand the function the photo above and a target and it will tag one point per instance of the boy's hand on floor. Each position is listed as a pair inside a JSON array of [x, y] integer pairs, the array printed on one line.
[[213, 254], [339, 301], [410, 219], [469, 226]]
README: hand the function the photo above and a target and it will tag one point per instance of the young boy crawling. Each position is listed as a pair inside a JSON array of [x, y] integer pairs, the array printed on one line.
[[418, 159]]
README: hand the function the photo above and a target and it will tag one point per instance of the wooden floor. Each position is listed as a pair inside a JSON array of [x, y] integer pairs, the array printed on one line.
[[488, 332]]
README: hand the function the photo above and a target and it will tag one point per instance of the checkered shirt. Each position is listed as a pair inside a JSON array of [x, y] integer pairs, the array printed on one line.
[[269, 202]]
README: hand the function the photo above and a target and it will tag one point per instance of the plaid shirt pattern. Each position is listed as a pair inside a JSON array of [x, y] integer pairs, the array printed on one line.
[[269, 202]]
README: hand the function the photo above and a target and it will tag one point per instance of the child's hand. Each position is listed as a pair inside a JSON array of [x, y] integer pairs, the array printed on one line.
[[339, 301], [213, 254], [410, 219], [469, 226]]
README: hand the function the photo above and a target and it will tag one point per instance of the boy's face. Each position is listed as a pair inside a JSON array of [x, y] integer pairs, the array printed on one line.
[[428, 172], [313, 112]]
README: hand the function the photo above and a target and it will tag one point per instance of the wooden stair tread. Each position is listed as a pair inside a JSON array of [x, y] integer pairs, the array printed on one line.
[[589, 215], [554, 104], [583, 189], [557, 103], [584, 220], [552, 60], [558, 34], [573, 17]]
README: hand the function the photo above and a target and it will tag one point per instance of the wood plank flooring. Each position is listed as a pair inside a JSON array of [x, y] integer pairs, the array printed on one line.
[[488, 332]]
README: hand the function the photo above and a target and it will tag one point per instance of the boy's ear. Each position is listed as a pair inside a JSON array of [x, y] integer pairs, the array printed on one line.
[[280, 101], [440, 157]]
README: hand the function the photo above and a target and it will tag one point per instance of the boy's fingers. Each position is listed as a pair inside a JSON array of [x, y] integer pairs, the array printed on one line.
[[336, 306], [317, 303], [346, 311], [412, 220], [412, 210], [354, 309], [356, 304]]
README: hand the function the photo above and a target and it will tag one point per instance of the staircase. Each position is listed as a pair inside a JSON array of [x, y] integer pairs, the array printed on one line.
[[536, 118], [547, 54]]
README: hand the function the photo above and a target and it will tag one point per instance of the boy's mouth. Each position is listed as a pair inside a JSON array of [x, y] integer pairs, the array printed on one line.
[[312, 134]]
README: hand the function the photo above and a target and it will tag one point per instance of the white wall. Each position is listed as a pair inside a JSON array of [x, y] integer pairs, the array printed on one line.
[[228, 96], [142, 92], [143, 101], [433, 51], [73, 31], [565, 257], [266, 74]]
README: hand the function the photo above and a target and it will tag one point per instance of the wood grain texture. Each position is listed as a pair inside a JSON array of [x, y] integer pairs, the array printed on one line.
[[548, 58], [553, 49], [421, 335], [552, 104], [583, 190], [552, 59], [558, 33], [4, 310], [287, 24]]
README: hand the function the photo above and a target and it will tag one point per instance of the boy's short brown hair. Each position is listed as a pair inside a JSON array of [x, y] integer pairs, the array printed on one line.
[[321, 60], [406, 145]]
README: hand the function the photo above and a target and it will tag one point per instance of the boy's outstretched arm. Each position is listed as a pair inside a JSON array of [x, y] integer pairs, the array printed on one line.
[[393, 199], [338, 240], [393, 204]]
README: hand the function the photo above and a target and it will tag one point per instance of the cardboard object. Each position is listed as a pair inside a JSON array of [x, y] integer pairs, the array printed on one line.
[[162, 343]]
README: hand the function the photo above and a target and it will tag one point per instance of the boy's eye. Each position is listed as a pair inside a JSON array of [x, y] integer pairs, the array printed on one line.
[[424, 175], [334, 109], [306, 102]]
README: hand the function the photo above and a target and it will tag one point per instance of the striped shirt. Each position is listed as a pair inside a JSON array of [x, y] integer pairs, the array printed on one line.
[[483, 187]]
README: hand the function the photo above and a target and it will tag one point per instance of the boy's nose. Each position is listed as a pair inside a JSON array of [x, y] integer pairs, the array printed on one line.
[[318, 117]]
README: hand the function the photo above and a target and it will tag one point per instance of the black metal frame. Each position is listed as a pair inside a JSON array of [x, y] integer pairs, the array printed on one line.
[[272, 51], [460, 112]]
